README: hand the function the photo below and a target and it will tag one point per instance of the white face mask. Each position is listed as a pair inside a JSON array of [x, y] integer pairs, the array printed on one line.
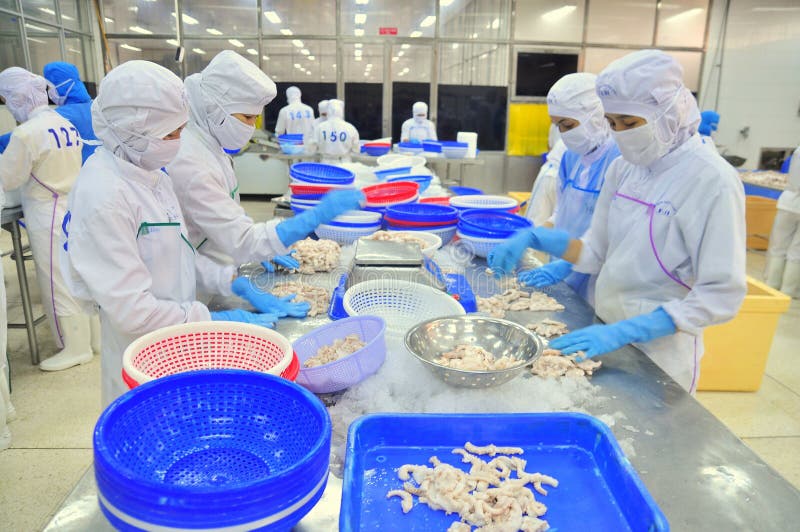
[[640, 145], [419, 119], [159, 153], [232, 134], [578, 141], [57, 98]]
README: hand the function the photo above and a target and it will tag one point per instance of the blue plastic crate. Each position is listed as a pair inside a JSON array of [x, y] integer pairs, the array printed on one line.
[[764, 192], [598, 490]]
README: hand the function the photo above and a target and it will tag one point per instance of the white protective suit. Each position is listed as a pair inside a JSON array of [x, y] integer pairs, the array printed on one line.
[[296, 117], [783, 255], [542, 203], [670, 234], [418, 127], [323, 112], [7, 411], [127, 245], [335, 139], [202, 173], [44, 158]]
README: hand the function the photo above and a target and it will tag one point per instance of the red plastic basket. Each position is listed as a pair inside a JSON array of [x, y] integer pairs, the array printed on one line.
[[293, 369], [390, 193], [298, 189], [206, 345], [405, 223], [377, 145], [442, 200]]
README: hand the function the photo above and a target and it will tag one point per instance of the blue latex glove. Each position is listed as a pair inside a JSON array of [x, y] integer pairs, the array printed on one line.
[[599, 339], [287, 261], [504, 257], [265, 320], [267, 303], [332, 205], [547, 275]]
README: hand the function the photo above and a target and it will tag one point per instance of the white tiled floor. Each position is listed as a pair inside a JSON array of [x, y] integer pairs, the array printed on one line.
[[51, 445]]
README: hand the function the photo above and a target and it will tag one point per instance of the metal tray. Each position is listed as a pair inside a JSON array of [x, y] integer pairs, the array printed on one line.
[[598, 488]]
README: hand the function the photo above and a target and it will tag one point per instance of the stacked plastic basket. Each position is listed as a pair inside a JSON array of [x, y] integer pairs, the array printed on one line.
[[454, 150], [384, 195], [481, 230], [350, 226], [291, 144], [481, 201], [311, 181], [440, 220]]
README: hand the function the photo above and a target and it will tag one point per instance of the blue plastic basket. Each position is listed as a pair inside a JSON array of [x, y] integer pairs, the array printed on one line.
[[453, 144], [490, 223], [409, 147], [307, 197], [466, 191], [432, 146], [321, 173], [382, 175], [291, 137], [423, 180], [764, 192], [598, 487], [422, 212], [212, 449], [376, 151], [291, 148]]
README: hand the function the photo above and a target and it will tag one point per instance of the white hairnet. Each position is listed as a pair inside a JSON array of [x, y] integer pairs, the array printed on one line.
[[649, 83], [138, 101], [323, 106], [335, 109], [420, 108], [293, 94], [229, 84], [574, 96], [23, 91]]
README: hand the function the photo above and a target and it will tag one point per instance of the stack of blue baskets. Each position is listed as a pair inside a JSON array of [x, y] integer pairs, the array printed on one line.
[[482, 229], [317, 174], [212, 449], [440, 220], [291, 144]]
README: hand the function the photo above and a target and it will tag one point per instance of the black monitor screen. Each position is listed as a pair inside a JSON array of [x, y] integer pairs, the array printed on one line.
[[537, 72]]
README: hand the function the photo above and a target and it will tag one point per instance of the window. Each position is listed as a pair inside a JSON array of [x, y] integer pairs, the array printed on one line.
[[41, 9], [474, 64], [75, 15], [139, 17], [155, 50], [541, 20], [411, 18], [315, 60], [620, 22], [299, 17], [682, 23], [479, 19], [411, 75], [199, 52], [213, 17], [538, 71], [11, 51], [79, 52], [43, 44]]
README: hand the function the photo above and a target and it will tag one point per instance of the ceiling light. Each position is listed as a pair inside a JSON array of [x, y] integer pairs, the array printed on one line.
[[366, 74], [358, 32], [137, 29], [416, 34], [427, 21], [38, 41], [133, 9], [358, 53], [445, 3], [395, 59], [557, 14], [252, 51], [236, 43], [362, 2], [286, 31], [369, 65], [358, 45], [495, 23], [305, 51], [358, 58], [48, 11], [213, 31], [297, 65], [108, 20], [297, 42], [67, 17], [131, 48], [191, 21], [455, 45], [484, 56], [74, 51], [265, 57], [173, 42], [272, 17], [360, 18], [311, 58], [684, 15], [34, 27], [474, 36], [308, 72], [405, 46], [199, 51], [401, 53], [405, 70]]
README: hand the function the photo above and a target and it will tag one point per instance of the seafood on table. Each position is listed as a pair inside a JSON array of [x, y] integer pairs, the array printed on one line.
[[514, 299], [553, 364], [338, 349], [316, 296], [495, 495], [316, 255], [548, 328], [473, 358]]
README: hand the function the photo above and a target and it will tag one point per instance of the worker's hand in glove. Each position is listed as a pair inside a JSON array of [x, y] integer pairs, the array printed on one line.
[[504, 257], [547, 275], [332, 205], [242, 316], [267, 303], [599, 339], [287, 261]]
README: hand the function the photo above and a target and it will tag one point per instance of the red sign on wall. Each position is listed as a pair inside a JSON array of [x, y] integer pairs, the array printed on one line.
[[387, 31]]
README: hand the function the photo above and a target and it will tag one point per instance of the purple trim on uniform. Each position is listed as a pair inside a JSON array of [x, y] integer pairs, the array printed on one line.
[[52, 226]]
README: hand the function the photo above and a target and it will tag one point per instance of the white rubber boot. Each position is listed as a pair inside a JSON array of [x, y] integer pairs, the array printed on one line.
[[791, 279], [773, 272], [94, 325], [77, 344]]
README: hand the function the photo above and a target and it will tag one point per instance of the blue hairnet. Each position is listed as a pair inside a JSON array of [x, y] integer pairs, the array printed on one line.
[[709, 120], [59, 71]]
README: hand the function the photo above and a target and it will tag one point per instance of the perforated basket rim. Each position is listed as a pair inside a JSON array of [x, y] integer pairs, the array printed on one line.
[[204, 327], [358, 217], [334, 325], [401, 285], [434, 241], [478, 201], [391, 159]]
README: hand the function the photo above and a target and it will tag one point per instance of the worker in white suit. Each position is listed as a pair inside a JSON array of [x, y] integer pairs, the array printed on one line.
[[335, 139], [544, 193], [667, 238], [296, 117], [127, 247], [418, 127], [44, 157], [323, 112], [783, 255]]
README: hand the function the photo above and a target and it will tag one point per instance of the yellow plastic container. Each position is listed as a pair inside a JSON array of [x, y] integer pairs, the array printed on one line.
[[736, 352], [521, 198], [759, 214]]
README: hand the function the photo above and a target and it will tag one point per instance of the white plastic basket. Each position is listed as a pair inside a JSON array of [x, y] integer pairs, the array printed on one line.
[[398, 160], [434, 242], [479, 246], [205, 345], [481, 201], [344, 235], [401, 303], [359, 217]]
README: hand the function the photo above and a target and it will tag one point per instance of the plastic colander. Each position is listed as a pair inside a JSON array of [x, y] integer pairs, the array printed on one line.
[[482, 201], [349, 370], [402, 304], [205, 345]]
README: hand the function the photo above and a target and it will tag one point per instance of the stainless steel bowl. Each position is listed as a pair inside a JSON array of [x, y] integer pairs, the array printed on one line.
[[429, 339]]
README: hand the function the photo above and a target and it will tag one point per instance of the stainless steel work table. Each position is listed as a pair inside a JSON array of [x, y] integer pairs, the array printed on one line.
[[700, 474]]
